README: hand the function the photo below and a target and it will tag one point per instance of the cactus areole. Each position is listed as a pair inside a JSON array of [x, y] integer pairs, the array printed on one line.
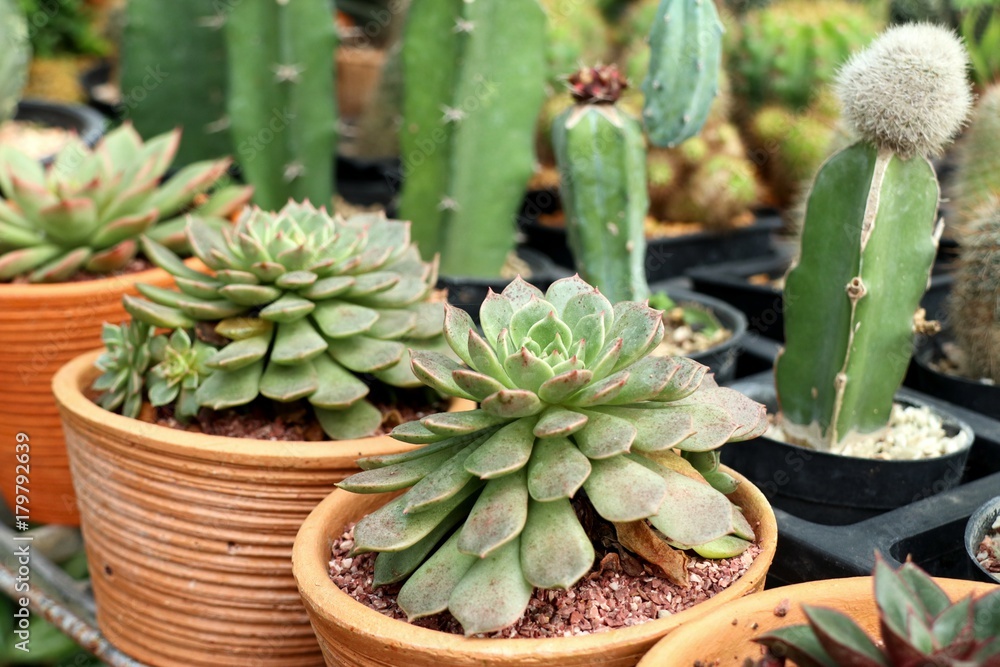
[[570, 399], [869, 239]]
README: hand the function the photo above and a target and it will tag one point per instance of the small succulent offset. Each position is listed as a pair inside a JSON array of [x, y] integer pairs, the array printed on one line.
[[180, 369], [570, 399], [124, 362], [86, 211], [305, 301], [919, 626]]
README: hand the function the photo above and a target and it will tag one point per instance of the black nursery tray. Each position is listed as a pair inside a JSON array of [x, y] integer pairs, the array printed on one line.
[[929, 530]]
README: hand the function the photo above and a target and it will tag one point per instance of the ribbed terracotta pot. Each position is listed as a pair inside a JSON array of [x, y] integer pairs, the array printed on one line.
[[41, 328], [723, 638], [358, 73], [351, 634], [189, 536]]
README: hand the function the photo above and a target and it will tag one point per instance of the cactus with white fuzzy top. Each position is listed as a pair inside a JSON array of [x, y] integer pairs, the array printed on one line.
[[870, 238]]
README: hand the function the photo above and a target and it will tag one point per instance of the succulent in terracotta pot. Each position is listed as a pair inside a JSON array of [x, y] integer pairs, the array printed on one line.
[[920, 625], [292, 305], [572, 406], [87, 210]]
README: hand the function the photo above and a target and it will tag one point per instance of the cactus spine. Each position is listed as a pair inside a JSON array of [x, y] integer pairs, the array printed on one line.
[[166, 51], [685, 53], [14, 57], [281, 98], [601, 157], [869, 239], [977, 174], [975, 298], [468, 127]]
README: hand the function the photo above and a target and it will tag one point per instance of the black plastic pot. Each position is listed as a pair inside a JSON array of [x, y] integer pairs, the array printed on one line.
[[980, 523], [973, 395], [369, 182], [91, 81], [468, 293], [666, 257], [763, 305], [722, 358], [929, 529], [88, 124], [834, 489]]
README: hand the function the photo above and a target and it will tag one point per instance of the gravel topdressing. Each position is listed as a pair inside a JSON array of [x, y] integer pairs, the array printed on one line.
[[621, 591]]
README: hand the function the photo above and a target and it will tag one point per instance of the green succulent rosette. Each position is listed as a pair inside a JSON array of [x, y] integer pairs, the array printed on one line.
[[570, 400], [308, 306]]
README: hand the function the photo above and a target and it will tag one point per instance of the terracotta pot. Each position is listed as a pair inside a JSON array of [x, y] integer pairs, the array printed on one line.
[[189, 536], [351, 634], [723, 638], [358, 74], [43, 327]]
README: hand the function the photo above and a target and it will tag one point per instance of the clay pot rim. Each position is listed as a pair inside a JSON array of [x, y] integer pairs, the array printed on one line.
[[37, 291], [323, 598], [824, 592], [68, 384]]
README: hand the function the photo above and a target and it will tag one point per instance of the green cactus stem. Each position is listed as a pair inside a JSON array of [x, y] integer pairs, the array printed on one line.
[[468, 127], [685, 54], [869, 239], [602, 163], [14, 56], [281, 98]]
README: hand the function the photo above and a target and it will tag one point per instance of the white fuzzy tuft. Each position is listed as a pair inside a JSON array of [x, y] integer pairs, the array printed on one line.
[[907, 92]]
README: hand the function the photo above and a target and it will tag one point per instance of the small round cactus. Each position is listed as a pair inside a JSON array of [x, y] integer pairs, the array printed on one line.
[[570, 400], [907, 92]]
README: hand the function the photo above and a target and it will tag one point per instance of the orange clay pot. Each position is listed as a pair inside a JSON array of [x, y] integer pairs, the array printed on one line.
[[723, 638], [189, 536], [43, 327], [351, 634], [358, 73]]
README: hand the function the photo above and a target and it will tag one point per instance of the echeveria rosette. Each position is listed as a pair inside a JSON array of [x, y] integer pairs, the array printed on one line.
[[126, 357], [570, 399], [87, 209], [181, 366], [308, 301]]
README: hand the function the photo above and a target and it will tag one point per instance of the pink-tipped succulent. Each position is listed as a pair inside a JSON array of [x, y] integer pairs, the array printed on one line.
[[86, 211], [570, 400], [920, 626]]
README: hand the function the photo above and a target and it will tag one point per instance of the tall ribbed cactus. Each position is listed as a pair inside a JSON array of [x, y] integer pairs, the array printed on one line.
[[977, 174], [13, 57], [281, 98], [468, 125], [601, 157], [870, 238], [685, 53], [173, 74], [975, 298]]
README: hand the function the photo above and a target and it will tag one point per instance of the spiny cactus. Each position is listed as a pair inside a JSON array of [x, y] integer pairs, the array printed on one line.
[[123, 363], [601, 157], [14, 58], [977, 173], [919, 626], [308, 303], [281, 98], [570, 399], [869, 239], [467, 140], [975, 297], [685, 44], [788, 51], [86, 211]]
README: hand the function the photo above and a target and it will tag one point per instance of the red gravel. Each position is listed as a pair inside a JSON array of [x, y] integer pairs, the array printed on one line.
[[605, 599], [989, 553]]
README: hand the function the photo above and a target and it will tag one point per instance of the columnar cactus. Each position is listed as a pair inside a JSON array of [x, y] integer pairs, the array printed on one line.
[[306, 303], [570, 399], [685, 45], [977, 173], [601, 157], [869, 238], [975, 297], [281, 98], [468, 128], [86, 211], [14, 57]]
